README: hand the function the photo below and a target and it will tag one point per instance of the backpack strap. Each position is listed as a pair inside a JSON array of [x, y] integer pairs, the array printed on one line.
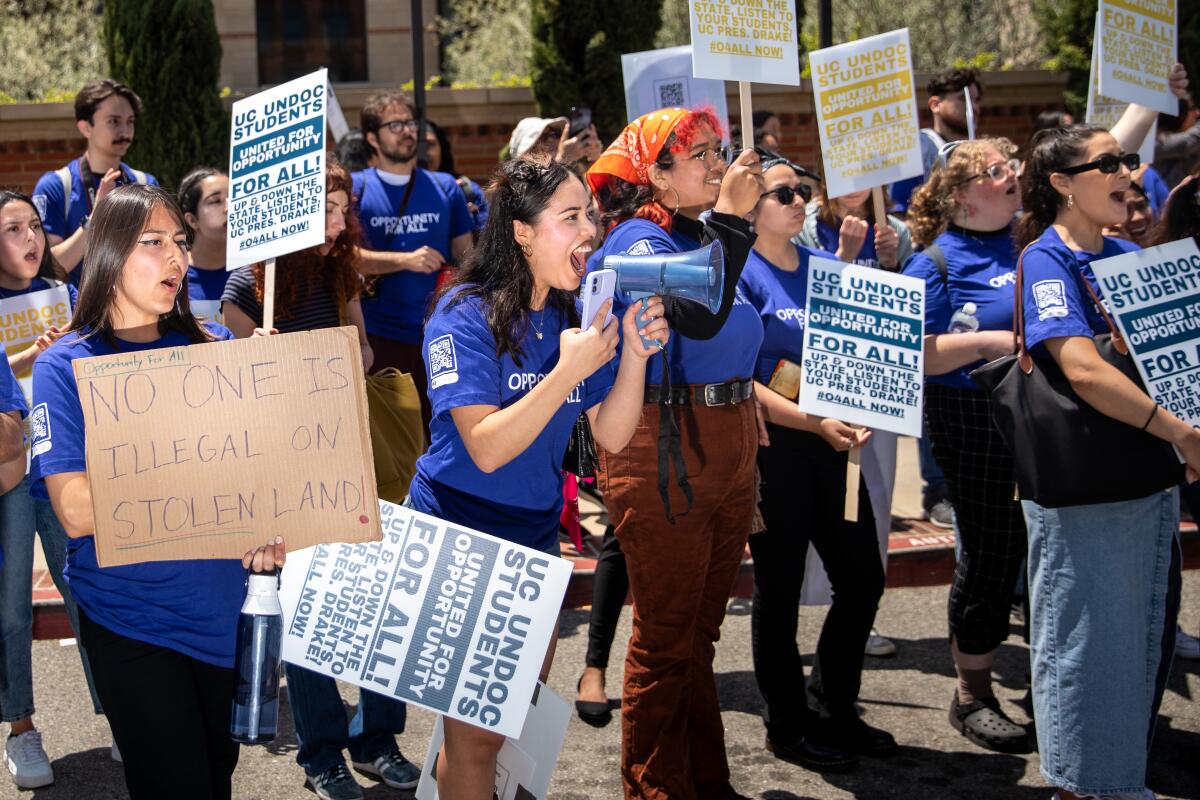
[[938, 258], [64, 175]]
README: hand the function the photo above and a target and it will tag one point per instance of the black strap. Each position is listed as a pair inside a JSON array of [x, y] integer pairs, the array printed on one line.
[[408, 188], [89, 183], [934, 251], [669, 450]]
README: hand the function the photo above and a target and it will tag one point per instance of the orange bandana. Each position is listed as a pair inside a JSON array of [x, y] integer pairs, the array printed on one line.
[[639, 145]]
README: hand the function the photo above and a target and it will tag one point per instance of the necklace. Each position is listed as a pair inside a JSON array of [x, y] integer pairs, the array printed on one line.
[[537, 329]]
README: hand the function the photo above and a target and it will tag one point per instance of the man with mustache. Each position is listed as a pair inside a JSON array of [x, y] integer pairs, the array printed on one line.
[[105, 111], [414, 222]]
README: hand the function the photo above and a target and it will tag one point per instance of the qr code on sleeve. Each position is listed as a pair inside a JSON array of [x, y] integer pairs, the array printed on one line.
[[671, 93], [39, 429], [443, 361]]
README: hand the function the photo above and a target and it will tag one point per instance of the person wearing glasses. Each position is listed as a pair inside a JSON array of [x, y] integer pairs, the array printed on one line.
[[963, 217], [414, 222], [803, 489], [682, 503]]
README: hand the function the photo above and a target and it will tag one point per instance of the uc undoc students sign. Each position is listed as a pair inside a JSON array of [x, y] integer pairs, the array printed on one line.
[[1154, 295], [277, 171], [435, 614], [26, 317], [745, 40], [863, 361], [866, 112]]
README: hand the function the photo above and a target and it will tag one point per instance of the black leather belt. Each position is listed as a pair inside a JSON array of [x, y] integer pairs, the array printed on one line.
[[708, 394]]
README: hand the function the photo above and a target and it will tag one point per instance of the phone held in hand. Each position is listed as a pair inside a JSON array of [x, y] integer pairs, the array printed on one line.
[[598, 286], [580, 120]]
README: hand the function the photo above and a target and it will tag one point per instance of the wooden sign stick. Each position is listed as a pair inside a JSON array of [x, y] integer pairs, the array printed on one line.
[[880, 209], [747, 115], [269, 296]]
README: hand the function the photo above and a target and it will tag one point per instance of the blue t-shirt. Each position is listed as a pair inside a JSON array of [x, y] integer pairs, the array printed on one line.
[[1156, 189], [11, 396], [521, 500], [436, 213], [1055, 302], [187, 606], [780, 297], [205, 287], [728, 356], [828, 236], [980, 269], [62, 216]]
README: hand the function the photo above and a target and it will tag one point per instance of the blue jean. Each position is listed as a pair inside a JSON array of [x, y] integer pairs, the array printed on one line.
[[322, 730], [933, 488], [20, 516], [1098, 582]]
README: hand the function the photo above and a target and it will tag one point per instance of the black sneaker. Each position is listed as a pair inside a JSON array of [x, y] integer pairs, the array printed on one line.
[[855, 736], [812, 754], [336, 783]]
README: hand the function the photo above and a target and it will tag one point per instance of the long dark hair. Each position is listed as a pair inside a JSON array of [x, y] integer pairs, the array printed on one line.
[[1052, 150], [189, 193], [447, 164], [1181, 214], [49, 267], [496, 271], [113, 233]]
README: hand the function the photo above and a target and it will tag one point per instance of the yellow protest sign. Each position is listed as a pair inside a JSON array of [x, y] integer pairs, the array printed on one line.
[[1137, 50], [745, 40]]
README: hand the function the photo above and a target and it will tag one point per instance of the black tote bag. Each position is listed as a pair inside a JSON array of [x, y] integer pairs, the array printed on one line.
[[1066, 452]]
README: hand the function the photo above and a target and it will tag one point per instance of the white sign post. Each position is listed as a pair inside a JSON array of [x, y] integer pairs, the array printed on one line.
[[1138, 45], [657, 79], [1154, 296], [277, 176], [1105, 111], [863, 357], [866, 113], [435, 614]]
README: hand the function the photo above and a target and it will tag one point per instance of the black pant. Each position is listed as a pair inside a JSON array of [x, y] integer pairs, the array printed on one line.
[[803, 500], [610, 585], [169, 715]]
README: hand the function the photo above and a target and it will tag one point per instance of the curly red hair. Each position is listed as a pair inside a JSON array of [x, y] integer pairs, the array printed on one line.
[[681, 140]]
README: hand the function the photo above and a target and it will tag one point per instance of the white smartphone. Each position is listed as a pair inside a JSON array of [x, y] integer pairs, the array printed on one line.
[[597, 287]]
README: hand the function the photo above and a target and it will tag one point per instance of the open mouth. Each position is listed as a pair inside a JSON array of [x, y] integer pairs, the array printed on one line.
[[579, 258], [32, 257], [1011, 190], [172, 282]]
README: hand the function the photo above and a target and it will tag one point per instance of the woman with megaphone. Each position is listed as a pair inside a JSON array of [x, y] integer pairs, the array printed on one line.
[[803, 500], [683, 543]]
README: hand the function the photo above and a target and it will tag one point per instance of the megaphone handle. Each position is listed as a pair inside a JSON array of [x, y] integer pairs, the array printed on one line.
[[643, 321]]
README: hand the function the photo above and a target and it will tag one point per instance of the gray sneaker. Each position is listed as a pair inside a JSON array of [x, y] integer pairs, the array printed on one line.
[[336, 783], [942, 514], [393, 769]]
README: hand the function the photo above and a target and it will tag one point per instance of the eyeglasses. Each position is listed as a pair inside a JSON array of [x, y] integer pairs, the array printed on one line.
[[786, 195], [1107, 163], [996, 170], [399, 126], [712, 155]]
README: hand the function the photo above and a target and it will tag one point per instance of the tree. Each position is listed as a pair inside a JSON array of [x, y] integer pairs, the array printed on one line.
[[51, 48], [1067, 28], [485, 42], [169, 53], [577, 47]]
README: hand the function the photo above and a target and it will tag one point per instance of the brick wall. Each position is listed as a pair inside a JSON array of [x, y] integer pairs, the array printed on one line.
[[34, 139]]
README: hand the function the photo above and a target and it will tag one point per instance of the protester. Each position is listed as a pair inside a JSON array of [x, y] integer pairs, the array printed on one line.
[[803, 500], [439, 157], [535, 136], [1052, 118], [497, 450], [105, 112], [414, 221], [1139, 217], [1096, 652], [353, 152], [1177, 145], [768, 122], [204, 199], [766, 140], [682, 545], [162, 670], [610, 587], [963, 217]]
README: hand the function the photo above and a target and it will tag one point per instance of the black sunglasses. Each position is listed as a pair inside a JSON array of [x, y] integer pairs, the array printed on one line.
[[786, 195], [1107, 163]]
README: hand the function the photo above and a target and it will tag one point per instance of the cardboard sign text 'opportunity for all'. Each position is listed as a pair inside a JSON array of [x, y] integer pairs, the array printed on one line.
[[209, 450]]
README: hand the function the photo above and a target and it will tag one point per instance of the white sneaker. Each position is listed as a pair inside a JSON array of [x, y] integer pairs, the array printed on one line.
[[27, 761], [1186, 645], [879, 646]]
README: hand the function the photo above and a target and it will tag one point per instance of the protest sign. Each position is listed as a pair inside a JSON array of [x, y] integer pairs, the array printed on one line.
[[435, 614], [277, 171], [1105, 111], [745, 40], [866, 112], [863, 360], [657, 79], [26, 317], [525, 766], [209, 450], [1154, 296], [1137, 49]]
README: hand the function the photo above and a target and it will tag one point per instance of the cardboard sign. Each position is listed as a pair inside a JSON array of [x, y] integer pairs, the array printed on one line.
[[435, 614], [26, 317], [657, 79], [863, 357], [209, 450], [1105, 111], [277, 171], [745, 40], [1154, 296], [525, 766], [1137, 45], [866, 112]]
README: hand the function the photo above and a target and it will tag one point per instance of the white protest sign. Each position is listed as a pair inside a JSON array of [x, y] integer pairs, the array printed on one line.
[[1154, 296], [863, 361], [435, 614], [1105, 111], [337, 119], [1138, 49], [277, 171], [525, 766], [26, 317], [657, 79], [745, 40], [866, 112]]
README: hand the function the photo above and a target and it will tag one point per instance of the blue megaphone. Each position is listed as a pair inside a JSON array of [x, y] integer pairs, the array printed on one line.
[[697, 275]]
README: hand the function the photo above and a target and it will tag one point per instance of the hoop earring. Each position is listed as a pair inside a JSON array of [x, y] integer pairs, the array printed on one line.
[[527, 250], [1070, 201], [677, 199]]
